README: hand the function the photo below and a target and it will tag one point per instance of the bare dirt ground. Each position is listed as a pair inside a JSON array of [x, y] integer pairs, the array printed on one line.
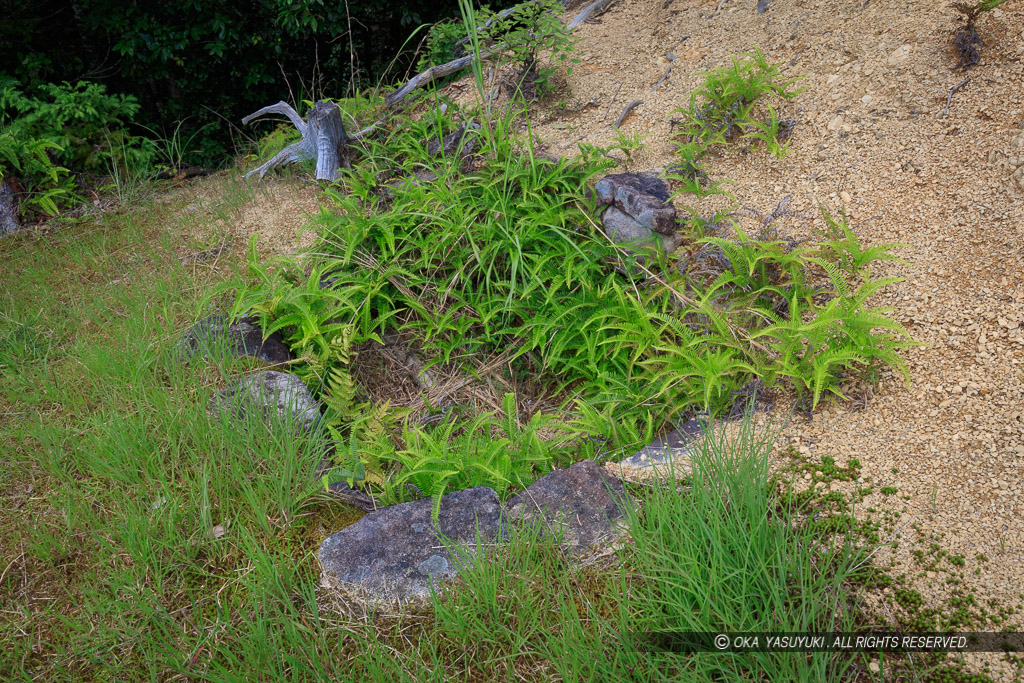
[[873, 134], [222, 213]]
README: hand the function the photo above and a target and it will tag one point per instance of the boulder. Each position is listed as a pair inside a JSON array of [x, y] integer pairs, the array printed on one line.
[[394, 555], [624, 229], [243, 338], [583, 505], [643, 197], [274, 395]]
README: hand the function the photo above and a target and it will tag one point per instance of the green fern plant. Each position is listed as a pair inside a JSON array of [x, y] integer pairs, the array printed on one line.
[[770, 132], [841, 245], [723, 107], [483, 451]]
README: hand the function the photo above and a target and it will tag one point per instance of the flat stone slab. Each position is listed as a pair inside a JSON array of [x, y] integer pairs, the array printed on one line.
[[394, 555], [243, 338], [583, 504], [270, 394], [641, 196], [672, 449]]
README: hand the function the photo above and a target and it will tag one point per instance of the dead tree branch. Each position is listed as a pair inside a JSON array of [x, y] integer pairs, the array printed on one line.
[[625, 112], [592, 9]]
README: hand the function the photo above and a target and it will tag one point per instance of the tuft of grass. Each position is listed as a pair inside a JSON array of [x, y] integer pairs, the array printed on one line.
[[730, 554]]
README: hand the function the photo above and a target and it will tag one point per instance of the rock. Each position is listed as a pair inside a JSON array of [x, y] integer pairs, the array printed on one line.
[[393, 555], [642, 196], [243, 338], [673, 447], [898, 56], [584, 500], [836, 123], [272, 394], [623, 229]]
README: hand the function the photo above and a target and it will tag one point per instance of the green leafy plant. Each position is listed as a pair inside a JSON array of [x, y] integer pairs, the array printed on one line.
[[45, 185], [628, 143], [772, 132], [723, 108], [503, 257], [840, 244], [78, 118], [692, 177], [442, 42], [54, 130], [485, 450], [534, 29]]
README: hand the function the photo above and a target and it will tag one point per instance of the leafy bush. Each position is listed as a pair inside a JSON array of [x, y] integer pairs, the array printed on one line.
[[44, 183], [62, 129], [441, 43], [532, 30], [79, 118]]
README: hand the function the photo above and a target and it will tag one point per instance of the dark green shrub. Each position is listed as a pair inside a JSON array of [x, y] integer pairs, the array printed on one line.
[[54, 137]]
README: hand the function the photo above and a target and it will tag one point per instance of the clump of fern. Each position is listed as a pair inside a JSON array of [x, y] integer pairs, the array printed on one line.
[[730, 105]]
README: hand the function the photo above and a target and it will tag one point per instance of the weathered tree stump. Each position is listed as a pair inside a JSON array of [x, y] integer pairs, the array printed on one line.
[[323, 138]]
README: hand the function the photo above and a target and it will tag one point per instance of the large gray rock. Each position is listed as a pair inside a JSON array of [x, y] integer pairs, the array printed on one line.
[[243, 338], [583, 505], [393, 555], [625, 230], [642, 196], [270, 394]]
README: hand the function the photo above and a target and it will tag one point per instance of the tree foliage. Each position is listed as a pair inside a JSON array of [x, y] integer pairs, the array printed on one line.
[[212, 61]]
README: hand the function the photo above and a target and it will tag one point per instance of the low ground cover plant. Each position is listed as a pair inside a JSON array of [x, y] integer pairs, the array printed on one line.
[[730, 105]]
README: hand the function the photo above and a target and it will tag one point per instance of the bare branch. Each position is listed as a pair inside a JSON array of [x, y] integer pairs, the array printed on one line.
[[431, 74], [280, 108], [593, 8], [625, 112]]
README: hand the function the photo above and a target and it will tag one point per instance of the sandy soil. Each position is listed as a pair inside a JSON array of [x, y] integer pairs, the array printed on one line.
[[223, 212]]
